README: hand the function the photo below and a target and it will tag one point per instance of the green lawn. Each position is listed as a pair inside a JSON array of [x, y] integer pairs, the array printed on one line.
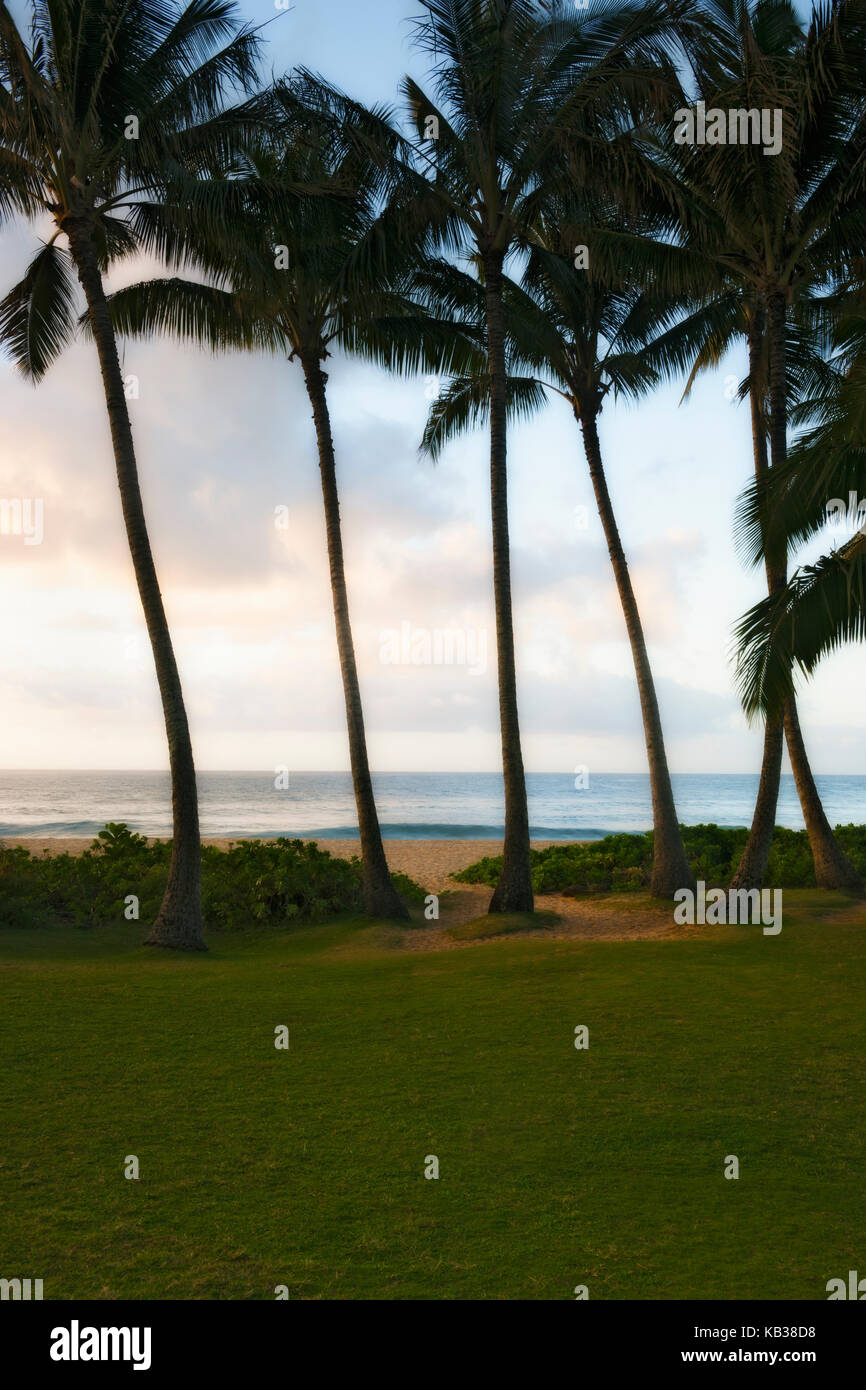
[[558, 1167]]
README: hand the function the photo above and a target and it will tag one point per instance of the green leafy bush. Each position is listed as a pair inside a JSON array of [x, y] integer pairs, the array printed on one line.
[[254, 882], [20, 904], [623, 863]]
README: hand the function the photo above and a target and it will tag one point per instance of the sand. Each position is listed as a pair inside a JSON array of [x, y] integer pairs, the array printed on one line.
[[612, 917]]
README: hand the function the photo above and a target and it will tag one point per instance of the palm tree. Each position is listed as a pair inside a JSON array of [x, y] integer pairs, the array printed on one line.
[[752, 867], [526, 94], [106, 116], [823, 605], [324, 271], [582, 335], [774, 226]]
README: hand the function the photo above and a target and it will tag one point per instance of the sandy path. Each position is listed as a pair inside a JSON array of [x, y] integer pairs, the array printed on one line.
[[432, 862]]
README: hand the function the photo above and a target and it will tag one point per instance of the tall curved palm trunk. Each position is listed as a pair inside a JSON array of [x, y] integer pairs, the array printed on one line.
[[380, 896], [833, 869], [179, 920], [671, 869], [513, 892], [751, 872]]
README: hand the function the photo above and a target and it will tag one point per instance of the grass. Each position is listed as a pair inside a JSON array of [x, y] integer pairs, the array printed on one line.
[[558, 1167], [502, 924]]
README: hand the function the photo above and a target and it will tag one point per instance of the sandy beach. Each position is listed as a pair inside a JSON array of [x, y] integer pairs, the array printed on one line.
[[431, 863]]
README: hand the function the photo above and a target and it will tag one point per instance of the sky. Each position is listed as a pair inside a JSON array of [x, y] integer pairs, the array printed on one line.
[[226, 453]]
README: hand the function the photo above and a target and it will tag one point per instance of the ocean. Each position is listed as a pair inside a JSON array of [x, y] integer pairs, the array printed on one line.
[[423, 805]]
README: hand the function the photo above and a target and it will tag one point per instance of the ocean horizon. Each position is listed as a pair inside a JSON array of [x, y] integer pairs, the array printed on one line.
[[412, 805]]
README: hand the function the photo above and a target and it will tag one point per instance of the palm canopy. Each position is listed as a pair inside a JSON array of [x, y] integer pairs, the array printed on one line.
[[754, 226], [116, 119], [711, 326], [526, 94], [330, 267], [823, 605], [771, 219], [828, 459], [581, 333]]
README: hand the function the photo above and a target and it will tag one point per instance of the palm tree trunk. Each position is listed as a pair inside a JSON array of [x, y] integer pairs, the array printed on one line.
[[513, 892], [179, 920], [833, 868], [380, 896], [751, 871], [671, 868]]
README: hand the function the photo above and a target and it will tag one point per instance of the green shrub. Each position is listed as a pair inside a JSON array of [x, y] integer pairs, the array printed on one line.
[[623, 863], [276, 882], [254, 883], [20, 905]]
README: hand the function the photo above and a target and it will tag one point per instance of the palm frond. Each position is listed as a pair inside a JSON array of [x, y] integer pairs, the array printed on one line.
[[38, 317], [203, 314], [465, 403], [822, 608]]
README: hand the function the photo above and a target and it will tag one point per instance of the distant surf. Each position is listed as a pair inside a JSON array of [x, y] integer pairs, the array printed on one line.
[[412, 805], [426, 830], [409, 830]]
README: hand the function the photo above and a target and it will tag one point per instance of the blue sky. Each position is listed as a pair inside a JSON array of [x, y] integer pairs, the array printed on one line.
[[223, 442]]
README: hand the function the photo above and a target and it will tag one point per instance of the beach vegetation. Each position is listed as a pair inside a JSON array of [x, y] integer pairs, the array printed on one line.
[[253, 884]]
